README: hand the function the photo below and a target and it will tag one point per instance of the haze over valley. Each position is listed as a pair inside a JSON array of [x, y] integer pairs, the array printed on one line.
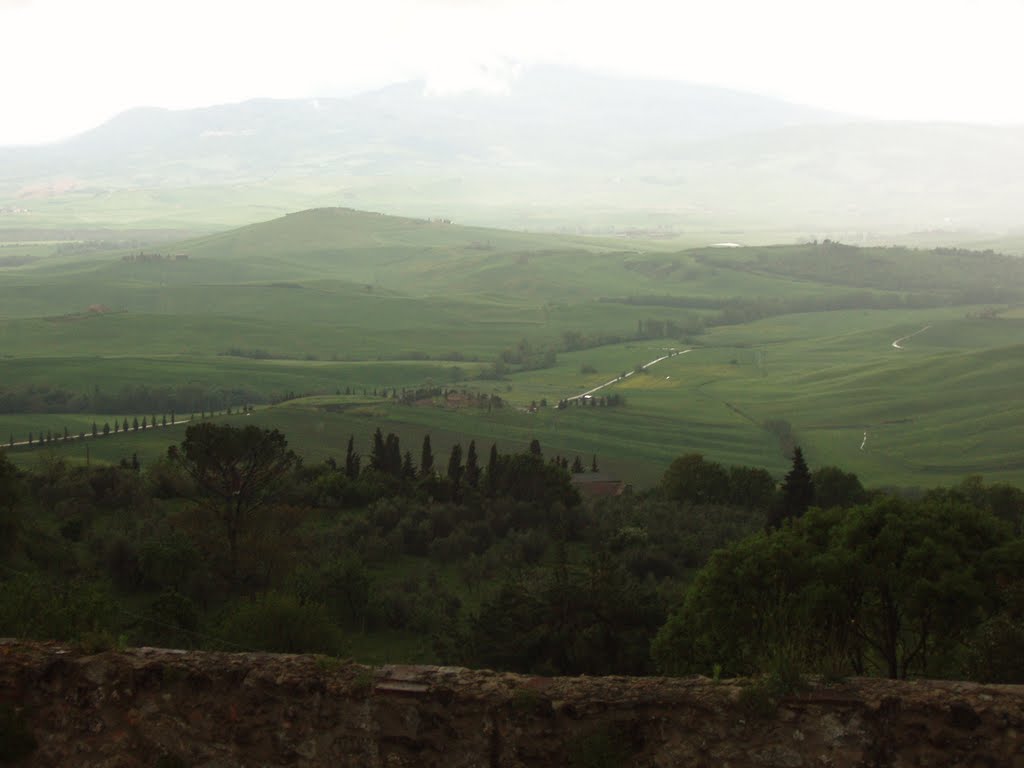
[[559, 150]]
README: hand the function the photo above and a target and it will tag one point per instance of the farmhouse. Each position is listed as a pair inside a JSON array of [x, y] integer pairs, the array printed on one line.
[[597, 485]]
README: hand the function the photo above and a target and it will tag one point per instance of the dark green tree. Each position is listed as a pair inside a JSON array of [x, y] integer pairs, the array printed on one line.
[[378, 453], [535, 447], [106, 427], [393, 455], [426, 458], [9, 483], [796, 494], [751, 488], [835, 488], [94, 430], [577, 466], [135, 423], [492, 470], [455, 469], [596, 620], [237, 471], [693, 480], [386, 454], [351, 459], [408, 468], [896, 587], [472, 472]]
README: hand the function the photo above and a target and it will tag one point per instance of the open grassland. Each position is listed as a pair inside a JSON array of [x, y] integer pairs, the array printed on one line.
[[931, 416], [787, 344]]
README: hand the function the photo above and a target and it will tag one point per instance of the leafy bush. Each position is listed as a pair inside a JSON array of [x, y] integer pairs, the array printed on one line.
[[281, 624]]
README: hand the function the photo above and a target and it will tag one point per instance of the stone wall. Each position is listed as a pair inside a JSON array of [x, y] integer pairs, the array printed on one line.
[[150, 707]]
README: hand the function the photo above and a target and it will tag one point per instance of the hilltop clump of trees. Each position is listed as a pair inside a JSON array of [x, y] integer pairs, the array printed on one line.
[[495, 558]]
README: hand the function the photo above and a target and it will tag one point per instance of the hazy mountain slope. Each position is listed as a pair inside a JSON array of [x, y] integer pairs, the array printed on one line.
[[583, 146], [545, 114]]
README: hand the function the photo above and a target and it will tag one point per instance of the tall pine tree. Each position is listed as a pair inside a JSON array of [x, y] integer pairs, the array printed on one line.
[[796, 494]]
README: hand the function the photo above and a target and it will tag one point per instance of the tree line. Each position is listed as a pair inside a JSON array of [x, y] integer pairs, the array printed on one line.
[[41, 398], [491, 558]]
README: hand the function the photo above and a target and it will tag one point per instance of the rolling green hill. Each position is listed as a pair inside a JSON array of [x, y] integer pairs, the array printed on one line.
[[789, 343]]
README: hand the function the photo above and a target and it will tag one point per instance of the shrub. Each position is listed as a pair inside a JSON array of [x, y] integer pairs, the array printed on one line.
[[281, 624]]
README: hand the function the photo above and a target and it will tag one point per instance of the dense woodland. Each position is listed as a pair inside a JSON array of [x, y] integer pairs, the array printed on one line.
[[493, 559]]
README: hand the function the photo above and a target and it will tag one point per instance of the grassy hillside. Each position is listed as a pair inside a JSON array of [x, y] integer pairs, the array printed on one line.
[[788, 343]]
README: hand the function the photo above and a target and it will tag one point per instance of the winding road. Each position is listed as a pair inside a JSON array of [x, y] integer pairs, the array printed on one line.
[[625, 376], [896, 343]]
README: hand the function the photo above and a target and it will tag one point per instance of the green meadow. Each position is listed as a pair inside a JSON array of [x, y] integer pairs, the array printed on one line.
[[310, 314]]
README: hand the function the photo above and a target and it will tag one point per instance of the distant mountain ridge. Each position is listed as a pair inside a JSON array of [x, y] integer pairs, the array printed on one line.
[[558, 137], [547, 112]]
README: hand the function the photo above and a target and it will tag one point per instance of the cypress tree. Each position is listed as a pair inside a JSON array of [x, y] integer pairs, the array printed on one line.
[[455, 465], [426, 458], [393, 455], [351, 459], [350, 450], [378, 460], [408, 468], [472, 466], [492, 470]]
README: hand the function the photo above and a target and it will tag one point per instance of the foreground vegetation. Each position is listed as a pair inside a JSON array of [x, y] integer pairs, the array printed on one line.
[[397, 551]]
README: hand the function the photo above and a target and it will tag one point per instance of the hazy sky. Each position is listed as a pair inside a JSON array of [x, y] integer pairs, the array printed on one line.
[[66, 65]]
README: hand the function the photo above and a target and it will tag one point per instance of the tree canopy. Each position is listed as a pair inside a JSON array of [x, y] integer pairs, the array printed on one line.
[[894, 586], [237, 470]]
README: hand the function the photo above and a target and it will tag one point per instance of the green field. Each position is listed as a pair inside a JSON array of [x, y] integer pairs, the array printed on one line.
[[330, 302]]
